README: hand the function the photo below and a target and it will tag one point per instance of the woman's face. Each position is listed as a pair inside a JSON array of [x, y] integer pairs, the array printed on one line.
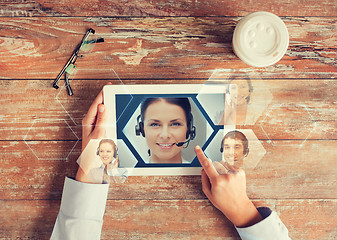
[[106, 152], [233, 152], [164, 126], [239, 91]]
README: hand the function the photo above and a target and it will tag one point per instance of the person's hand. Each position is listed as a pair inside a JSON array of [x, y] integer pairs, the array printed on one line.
[[93, 127], [94, 122], [113, 164], [230, 104], [229, 111], [227, 192]]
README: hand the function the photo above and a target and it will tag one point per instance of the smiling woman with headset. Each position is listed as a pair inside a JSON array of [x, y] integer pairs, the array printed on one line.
[[167, 125], [238, 99], [107, 151]]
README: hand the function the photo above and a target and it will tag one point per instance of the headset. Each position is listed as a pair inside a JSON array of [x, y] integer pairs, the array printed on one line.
[[245, 146], [190, 134]]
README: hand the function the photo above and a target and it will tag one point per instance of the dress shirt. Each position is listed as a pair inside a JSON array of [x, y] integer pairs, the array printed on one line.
[[81, 212], [83, 205]]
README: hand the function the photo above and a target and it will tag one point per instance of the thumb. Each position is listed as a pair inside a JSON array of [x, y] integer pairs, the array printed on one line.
[[101, 121]]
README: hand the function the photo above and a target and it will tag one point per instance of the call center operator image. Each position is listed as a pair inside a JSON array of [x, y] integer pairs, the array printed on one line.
[[239, 109], [167, 126], [107, 152], [234, 148]]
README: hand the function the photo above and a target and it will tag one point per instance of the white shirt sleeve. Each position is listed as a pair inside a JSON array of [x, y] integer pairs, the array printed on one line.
[[81, 212], [83, 206], [270, 227]]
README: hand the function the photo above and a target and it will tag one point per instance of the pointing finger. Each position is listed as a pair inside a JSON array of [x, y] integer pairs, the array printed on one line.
[[206, 163]]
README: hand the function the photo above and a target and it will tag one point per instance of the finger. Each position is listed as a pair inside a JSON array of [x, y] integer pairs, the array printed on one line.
[[241, 172], [231, 168], [100, 126], [86, 130], [220, 168], [206, 184], [115, 164], [109, 83], [206, 163], [90, 117]]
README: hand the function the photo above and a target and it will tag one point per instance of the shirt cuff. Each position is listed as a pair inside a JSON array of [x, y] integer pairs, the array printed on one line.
[[270, 227], [84, 200]]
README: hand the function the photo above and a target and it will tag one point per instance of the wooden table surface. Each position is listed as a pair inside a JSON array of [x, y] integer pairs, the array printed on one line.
[[164, 42]]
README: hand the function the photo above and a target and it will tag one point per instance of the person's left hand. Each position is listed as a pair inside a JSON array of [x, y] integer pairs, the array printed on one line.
[[94, 122], [93, 127]]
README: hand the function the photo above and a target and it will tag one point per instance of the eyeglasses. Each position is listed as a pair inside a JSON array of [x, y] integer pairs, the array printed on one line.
[[86, 45]]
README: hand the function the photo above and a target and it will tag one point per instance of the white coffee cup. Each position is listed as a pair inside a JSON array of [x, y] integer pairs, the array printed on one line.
[[260, 39]]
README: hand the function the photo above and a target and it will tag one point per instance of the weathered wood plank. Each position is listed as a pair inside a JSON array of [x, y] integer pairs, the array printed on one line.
[[31, 110], [199, 219], [33, 166], [297, 176], [306, 170], [27, 219], [31, 8], [157, 48], [182, 219]]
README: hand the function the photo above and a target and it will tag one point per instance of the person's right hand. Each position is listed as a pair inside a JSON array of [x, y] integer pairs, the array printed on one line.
[[227, 192]]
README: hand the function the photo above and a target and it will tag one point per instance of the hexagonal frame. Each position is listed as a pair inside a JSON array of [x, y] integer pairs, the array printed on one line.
[[139, 146], [304, 107], [256, 149], [54, 159], [260, 96], [61, 90]]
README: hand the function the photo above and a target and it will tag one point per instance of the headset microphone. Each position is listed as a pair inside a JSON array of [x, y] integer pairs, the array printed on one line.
[[179, 144], [190, 134]]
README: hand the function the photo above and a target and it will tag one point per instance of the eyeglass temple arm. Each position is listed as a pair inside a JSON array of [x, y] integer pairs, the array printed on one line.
[[69, 90], [73, 57], [63, 69]]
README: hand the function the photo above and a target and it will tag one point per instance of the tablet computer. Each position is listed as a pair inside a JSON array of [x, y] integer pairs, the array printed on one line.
[[157, 126]]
